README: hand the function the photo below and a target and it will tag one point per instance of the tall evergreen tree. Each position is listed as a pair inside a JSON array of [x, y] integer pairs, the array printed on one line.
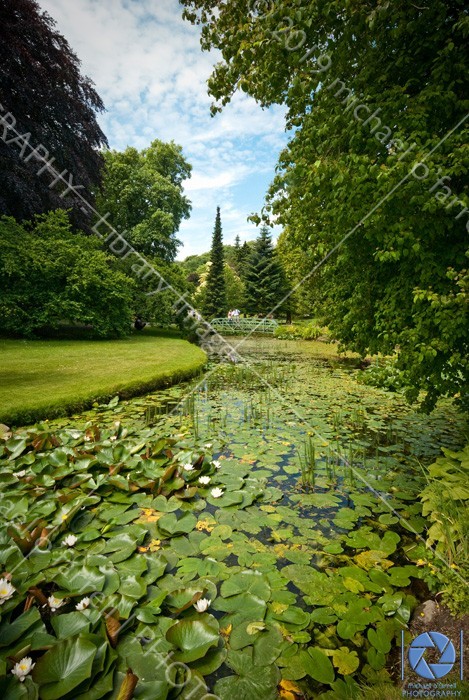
[[238, 256], [215, 295], [244, 255], [264, 278]]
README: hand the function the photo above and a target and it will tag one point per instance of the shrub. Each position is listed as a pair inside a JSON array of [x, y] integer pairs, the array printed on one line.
[[444, 502], [309, 332], [383, 374], [50, 274]]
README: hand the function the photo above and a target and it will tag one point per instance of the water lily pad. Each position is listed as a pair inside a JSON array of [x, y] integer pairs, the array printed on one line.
[[193, 637], [400, 575], [246, 582], [64, 667], [170, 525], [323, 616], [244, 606], [211, 662], [334, 547], [70, 624], [369, 559], [391, 602], [379, 639], [320, 588], [250, 681], [376, 659], [345, 661]]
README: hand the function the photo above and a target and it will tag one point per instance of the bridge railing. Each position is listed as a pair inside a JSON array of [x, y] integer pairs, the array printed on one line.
[[244, 325]]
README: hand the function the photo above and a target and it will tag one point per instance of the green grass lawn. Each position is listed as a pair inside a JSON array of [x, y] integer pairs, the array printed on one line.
[[46, 378]]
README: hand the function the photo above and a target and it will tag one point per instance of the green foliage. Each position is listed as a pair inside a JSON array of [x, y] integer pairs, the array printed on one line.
[[310, 331], [445, 503], [309, 590], [39, 67], [153, 303], [265, 283], [50, 275], [143, 192], [234, 288], [214, 301], [368, 94], [384, 374], [81, 530]]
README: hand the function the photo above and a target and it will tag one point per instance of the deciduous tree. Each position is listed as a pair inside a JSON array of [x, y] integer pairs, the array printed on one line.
[[143, 193], [50, 275], [50, 104], [372, 91]]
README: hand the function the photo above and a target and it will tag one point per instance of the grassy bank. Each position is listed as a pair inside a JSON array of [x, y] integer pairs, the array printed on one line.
[[46, 378]]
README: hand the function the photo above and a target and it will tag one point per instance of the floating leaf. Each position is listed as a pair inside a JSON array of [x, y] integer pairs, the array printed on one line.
[[379, 639], [250, 681], [345, 661], [246, 582], [64, 667], [193, 637], [170, 525], [319, 667]]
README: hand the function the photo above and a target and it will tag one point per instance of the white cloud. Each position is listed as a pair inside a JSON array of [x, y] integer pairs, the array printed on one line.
[[149, 70]]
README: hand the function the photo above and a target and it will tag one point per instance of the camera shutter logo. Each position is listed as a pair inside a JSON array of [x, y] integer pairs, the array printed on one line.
[[432, 640]]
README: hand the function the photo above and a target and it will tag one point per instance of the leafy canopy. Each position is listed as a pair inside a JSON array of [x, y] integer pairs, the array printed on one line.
[[143, 192], [361, 89], [42, 87]]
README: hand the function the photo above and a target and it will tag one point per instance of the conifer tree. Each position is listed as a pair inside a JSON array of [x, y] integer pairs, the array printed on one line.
[[238, 256], [243, 255], [215, 295], [264, 278]]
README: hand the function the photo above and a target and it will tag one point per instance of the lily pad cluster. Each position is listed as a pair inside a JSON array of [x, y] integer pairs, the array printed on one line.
[[83, 518], [161, 560]]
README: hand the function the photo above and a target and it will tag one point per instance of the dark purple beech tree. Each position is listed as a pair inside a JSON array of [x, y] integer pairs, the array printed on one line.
[[55, 105]]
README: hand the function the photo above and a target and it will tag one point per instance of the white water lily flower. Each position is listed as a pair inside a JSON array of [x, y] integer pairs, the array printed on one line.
[[19, 475], [217, 493], [83, 604], [55, 603], [204, 480], [188, 467], [202, 605], [23, 667], [216, 464], [208, 445], [70, 541], [6, 590]]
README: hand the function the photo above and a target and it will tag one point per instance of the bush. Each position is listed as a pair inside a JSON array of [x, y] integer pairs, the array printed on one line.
[[444, 503], [50, 275], [383, 374], [309, 332]]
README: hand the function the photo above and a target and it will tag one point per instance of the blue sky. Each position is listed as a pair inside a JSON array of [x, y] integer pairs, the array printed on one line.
[[148, 68]]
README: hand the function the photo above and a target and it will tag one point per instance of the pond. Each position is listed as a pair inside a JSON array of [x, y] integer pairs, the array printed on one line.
[[302, 526]]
